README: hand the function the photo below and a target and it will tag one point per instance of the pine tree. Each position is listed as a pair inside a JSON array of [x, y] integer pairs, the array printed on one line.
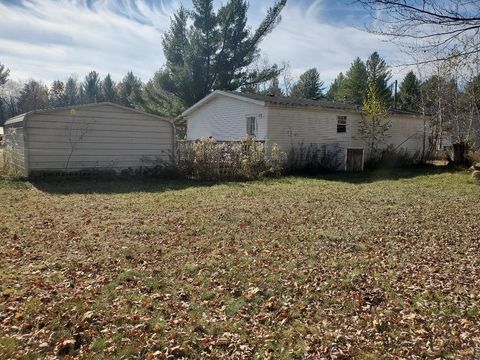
[[71, 92], [33, 96], [92, 88], [56, 94], [379, 74], [109, 93], [156, 100], [309, 85], [216, 51], [4, 72], [356, 82], [336, 89], [130, 90], [205, 42], [409, 95]]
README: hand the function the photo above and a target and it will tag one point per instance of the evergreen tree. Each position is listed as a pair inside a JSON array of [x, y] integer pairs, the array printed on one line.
[[130, 90], [409, 95], [56, 95], [33, 96], [336, 89], [216, 51], [92, 88], [356, 82], [156, 100], [71, 92], [309, 86], [379, 74], [4, 72], [274, 88], [109, 93]]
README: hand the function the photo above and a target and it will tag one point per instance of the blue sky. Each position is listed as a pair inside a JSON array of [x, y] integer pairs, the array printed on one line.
[[51, 39]]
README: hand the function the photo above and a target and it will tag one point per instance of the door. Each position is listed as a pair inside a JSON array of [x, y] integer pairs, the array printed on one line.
[[354, 160]]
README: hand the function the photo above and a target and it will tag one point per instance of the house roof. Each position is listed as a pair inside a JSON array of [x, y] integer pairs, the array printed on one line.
[[22, 117], [266, 100]]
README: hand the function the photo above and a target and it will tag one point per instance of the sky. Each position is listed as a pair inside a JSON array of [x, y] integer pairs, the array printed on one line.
[[52, 39]]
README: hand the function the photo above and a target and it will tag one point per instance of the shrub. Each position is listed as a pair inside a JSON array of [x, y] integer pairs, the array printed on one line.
[[313, 159], [208, 159], [391, 157]]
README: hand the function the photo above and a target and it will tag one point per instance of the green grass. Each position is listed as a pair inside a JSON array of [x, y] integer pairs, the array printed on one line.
[[354, 265]]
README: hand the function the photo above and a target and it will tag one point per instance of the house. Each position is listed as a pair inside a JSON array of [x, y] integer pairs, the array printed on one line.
[[290, 123], [87, 138]]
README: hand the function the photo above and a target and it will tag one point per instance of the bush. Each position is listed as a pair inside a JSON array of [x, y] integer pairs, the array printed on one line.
[[391, 157], [208, 159], [313, 159]]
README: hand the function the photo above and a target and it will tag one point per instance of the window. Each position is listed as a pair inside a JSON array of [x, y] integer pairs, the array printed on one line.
[[251, 126], [341, 124]]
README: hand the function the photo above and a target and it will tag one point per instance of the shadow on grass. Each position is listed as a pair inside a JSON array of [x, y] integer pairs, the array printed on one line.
[[370, 176], [113, 185], [121, 185]]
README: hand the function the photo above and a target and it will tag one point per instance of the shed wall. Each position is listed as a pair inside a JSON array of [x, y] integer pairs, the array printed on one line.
[[225, 119], [101, 137]]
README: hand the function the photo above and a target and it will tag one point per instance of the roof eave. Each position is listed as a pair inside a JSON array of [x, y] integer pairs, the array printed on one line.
[[215, 94]]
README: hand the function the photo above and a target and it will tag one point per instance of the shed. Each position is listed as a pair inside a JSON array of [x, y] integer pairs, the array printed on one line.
[[87, 138]]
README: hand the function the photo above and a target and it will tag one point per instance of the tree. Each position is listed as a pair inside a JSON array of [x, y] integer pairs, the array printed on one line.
[[71, 92], [56, 94], [10, 95], [355, 85], [33, 96], [409, 95], [92, 88], [287, 78], [155, 100], [4, 72], [216, 51], [336, 89], [439, 29], [130, 90], [274, 88], [379, 74], [108, 89], [373, 126], [309, 85]]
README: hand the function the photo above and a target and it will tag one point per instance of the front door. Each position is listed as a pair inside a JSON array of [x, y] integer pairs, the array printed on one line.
[[354, 160]]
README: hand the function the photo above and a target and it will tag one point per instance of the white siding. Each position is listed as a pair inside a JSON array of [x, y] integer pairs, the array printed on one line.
[[225, 119], [289, 127], [100, 137]]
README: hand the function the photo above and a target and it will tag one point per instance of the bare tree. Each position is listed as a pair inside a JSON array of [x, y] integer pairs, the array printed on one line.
[[287, 78], [443, 29], [75, 131]]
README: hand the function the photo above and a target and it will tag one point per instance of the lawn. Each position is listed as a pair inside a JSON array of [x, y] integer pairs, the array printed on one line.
[[365, 266]]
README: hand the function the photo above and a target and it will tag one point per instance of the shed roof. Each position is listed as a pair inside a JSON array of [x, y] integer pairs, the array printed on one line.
[[266, 100], [22, 117]]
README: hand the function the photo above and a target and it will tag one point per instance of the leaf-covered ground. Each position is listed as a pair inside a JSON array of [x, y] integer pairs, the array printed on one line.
[[342, 267]]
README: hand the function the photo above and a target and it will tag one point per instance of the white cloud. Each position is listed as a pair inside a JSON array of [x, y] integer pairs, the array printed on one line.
[[51, 39], [307, 40]]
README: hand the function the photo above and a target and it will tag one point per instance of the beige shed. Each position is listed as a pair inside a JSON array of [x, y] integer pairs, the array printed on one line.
[[88, 138]]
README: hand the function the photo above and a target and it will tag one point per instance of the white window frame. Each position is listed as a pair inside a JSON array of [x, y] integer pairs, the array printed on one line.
[[252, 132]]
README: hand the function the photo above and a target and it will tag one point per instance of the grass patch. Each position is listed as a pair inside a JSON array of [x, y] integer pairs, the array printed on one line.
[[348, 266]]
